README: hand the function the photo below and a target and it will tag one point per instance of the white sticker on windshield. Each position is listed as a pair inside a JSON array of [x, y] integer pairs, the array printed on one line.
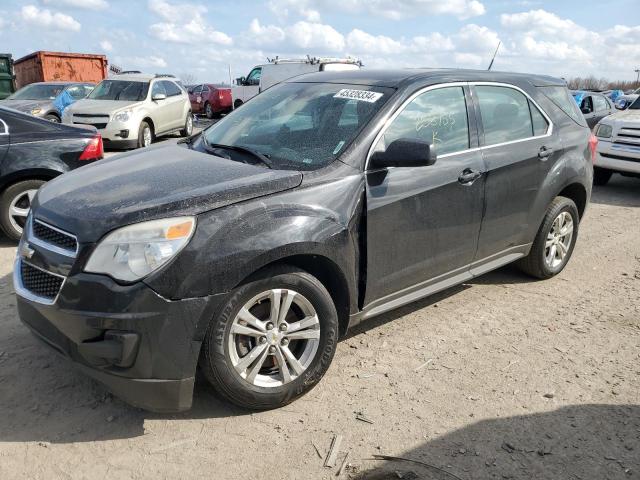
[[361, 95]]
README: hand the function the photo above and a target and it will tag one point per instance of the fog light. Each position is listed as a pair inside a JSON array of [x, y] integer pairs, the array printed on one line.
[[124, 134]]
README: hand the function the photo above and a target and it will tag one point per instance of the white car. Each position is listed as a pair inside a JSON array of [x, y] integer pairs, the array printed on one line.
[[130, 110], [277, 70], [618, 145]]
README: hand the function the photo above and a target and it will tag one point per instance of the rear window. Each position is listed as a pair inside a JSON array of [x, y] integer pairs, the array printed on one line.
[[561, 97]]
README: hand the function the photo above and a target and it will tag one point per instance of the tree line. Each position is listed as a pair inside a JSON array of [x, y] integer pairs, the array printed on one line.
[[593, 83]]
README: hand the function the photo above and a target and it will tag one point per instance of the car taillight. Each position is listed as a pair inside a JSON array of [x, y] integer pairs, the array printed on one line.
[[593, 145], [220, 96], [94, 149]]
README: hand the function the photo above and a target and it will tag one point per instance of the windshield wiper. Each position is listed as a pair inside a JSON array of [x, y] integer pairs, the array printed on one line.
[[236, 148]]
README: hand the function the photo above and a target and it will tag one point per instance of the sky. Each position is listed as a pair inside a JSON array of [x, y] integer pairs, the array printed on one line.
[[203, 40]]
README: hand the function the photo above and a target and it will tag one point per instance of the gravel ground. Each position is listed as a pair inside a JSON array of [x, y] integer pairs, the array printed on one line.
[[502, 377]]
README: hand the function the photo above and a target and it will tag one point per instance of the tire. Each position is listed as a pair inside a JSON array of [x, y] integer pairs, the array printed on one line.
[[601, 176], [237, 104], [270, 388], [539, 262], [188, 126], [208, 111], [17, 197], [143, 139], [52, 117]]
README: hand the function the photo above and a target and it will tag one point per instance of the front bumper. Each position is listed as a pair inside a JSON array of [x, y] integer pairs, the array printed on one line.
[[154, 366], [617, 157], [114, 134]]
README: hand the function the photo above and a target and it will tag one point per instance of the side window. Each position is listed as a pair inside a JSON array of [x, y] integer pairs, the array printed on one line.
[[197, 90], [540, 124], [437, 116], [562, 99], [505, 114], [77, 92], [587, 105], [158, 89], [205, 89], [254, 76], [171, 88], [600, 103]]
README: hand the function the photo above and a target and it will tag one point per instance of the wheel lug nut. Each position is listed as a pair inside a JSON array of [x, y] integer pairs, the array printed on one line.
[[263, 339], [283, 327], [269, 326], [272, 349], [285, 342]]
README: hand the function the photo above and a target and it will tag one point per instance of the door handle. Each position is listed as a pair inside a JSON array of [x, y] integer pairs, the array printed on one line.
[[468, 176], [544, 153]]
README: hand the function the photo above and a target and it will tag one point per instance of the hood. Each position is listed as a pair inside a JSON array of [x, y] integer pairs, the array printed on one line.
[[28, 105], [150, 183], [624, 118], [100, 106]]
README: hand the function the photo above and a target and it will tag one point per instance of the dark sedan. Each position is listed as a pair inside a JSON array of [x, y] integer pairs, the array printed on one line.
[[32, 151], [594, 106]]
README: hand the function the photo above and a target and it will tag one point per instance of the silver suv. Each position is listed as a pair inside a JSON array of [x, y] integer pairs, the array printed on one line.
[[130, 110]]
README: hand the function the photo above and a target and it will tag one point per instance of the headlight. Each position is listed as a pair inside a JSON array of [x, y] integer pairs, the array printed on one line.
[[604, 131], [36, 111], [123, 116], [133, 252]]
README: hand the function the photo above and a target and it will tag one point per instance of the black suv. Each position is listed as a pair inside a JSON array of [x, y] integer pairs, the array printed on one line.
[[250, 249]]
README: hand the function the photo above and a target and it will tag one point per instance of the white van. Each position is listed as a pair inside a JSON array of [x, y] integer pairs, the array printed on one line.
[[277, 70]]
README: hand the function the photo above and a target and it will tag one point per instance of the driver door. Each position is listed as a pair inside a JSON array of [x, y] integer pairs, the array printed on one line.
[[423, 223]]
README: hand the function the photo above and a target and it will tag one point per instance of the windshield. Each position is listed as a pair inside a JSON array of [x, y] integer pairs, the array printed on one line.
[[120, 90], [302, 126], [635, 105], [37, 91]]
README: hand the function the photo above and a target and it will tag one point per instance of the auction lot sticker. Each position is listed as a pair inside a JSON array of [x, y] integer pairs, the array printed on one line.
[[361, 95]]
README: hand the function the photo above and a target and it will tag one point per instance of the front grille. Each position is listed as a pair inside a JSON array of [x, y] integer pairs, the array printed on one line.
[[39, 282], [91, 115], [54, 237], [99, 126]]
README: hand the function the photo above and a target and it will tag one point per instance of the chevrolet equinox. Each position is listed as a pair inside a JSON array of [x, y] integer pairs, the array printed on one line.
[[248, 250]]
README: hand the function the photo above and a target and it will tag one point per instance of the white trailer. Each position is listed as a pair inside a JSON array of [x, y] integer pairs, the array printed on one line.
[[277, 70]]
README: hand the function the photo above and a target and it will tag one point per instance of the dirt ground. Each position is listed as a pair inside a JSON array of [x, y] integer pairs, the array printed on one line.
[[500, 378]]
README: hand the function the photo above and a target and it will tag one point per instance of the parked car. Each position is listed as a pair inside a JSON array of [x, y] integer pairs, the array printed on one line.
[[277, 70], [627, 99], [33, 151], [212, 100], [131, 109], [594, 106], [47, 99], [251, 253], [618, 145]]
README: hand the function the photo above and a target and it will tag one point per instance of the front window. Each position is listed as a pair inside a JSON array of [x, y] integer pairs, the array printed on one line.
[[254, 77], [37, 91], [301, 126], [120, 90]]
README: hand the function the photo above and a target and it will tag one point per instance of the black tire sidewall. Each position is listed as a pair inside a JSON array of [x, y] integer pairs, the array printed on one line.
[[565, 205], [5, 201], [217, 364], [601, 176]]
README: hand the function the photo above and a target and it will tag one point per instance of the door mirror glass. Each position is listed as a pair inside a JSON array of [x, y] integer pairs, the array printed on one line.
[[159, 96], [405, 152]]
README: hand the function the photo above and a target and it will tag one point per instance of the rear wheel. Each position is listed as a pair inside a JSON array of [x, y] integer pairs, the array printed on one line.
[[601, 176], [272, 341], [237, 104], [15, 203], [188, 126], [208, 110], [145, 135], [554, 243]]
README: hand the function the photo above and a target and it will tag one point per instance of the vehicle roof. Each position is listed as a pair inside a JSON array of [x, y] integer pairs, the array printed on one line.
[[58, 83], [586, 92], [396, 78], [141, 77]]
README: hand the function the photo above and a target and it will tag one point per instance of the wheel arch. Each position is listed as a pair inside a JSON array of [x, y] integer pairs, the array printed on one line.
[[578, 194], [28, 174]]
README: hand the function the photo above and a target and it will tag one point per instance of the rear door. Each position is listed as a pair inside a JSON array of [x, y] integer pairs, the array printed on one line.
[[195, 97], [423, 222], [519, 148], [174, 104]]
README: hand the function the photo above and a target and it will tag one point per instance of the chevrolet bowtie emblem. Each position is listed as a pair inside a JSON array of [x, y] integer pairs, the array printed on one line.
[[26, 251]]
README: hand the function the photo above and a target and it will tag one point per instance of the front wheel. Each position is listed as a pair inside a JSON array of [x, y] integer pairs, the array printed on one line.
[[601, 176], [145, 135], [554, 243], [52, 117], [15, 203], [188, 126], [272, 341]]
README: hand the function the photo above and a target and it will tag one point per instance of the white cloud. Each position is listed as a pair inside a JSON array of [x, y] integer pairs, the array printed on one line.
[[285, 8], [44, 18], [150, 61], [363, 42], [86, 4], [106, 45], [185, 23], [265, 36], [307, 35]]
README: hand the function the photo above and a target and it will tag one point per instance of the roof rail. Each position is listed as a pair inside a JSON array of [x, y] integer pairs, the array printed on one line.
[[315, 60], [161, 75], [129, 71]]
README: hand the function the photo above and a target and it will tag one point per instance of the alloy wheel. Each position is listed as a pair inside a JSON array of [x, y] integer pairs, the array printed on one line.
[[146, 137], [19, 209], [559, 240], [274, 338], [189, 126]]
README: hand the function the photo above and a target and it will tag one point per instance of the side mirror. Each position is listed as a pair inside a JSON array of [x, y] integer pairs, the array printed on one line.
[[405, 152], [240, 81], [158, 96]]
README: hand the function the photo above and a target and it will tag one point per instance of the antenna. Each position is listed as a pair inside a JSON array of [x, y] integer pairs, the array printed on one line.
[[494, 56]]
